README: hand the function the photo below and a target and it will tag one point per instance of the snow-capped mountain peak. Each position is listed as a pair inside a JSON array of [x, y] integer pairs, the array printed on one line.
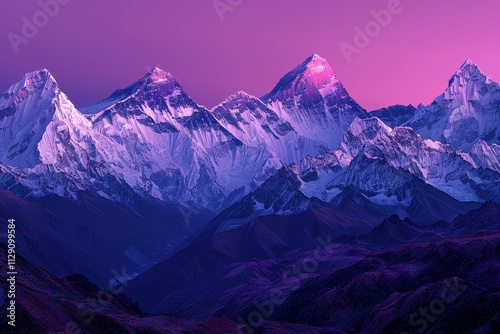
[[41, 73], [314, 71], [466, 112], [158, 75], [469, 66], [152, 139], [34, 81], [470, 75], [315, 103], [317, 65], [257, 125], [26, 110], [155, 82]]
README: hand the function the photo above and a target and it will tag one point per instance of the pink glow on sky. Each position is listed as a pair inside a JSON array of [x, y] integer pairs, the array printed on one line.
[[94, 47]]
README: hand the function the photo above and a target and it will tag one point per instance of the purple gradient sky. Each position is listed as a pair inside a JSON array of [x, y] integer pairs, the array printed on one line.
[[94, 47]]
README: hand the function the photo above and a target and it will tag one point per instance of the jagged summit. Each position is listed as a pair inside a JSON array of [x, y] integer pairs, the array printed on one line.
[[468, 69], [40, 84], [155, 80], [240, 99], [156, 69], [467, 63], [368, 126], [34, 81], [466, 112], [158, 75], [315, 71], [240, 95], [35, 117], [44, 72], [314, 102], [151, 136], [468, 79], [317, 64]]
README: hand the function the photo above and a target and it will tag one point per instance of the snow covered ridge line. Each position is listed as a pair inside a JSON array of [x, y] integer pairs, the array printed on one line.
[[151, 139], [468, 110], [30, 28]]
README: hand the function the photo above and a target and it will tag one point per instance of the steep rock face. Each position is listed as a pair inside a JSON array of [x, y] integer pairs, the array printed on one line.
[[314, 102], [149, 139], [52, 148], [170, 147], [153, 140], [484, 155], [38, 124], [434, 163], [256, 125], [382, 170], [468, 110]]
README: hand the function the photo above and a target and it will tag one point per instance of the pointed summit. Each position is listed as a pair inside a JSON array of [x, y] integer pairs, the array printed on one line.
[[240, 101], [313, 72], [158, 75], [468, 79], [317, 64], [466, 112], [26, 110], [314, 102], [468, 61], [241, 94], [155, 82], [36, 80], [469, 69], [43, 73], [40, 83]]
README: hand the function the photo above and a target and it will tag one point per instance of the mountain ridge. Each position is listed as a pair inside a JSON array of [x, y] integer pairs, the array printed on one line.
[[154, 140]]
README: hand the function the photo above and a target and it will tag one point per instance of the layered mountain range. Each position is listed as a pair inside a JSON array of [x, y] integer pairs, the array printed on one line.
[[203, 213], [151, 140], [305, 270]]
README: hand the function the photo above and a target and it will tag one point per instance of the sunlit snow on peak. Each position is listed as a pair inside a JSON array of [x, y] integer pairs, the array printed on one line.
[[159, 75]]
